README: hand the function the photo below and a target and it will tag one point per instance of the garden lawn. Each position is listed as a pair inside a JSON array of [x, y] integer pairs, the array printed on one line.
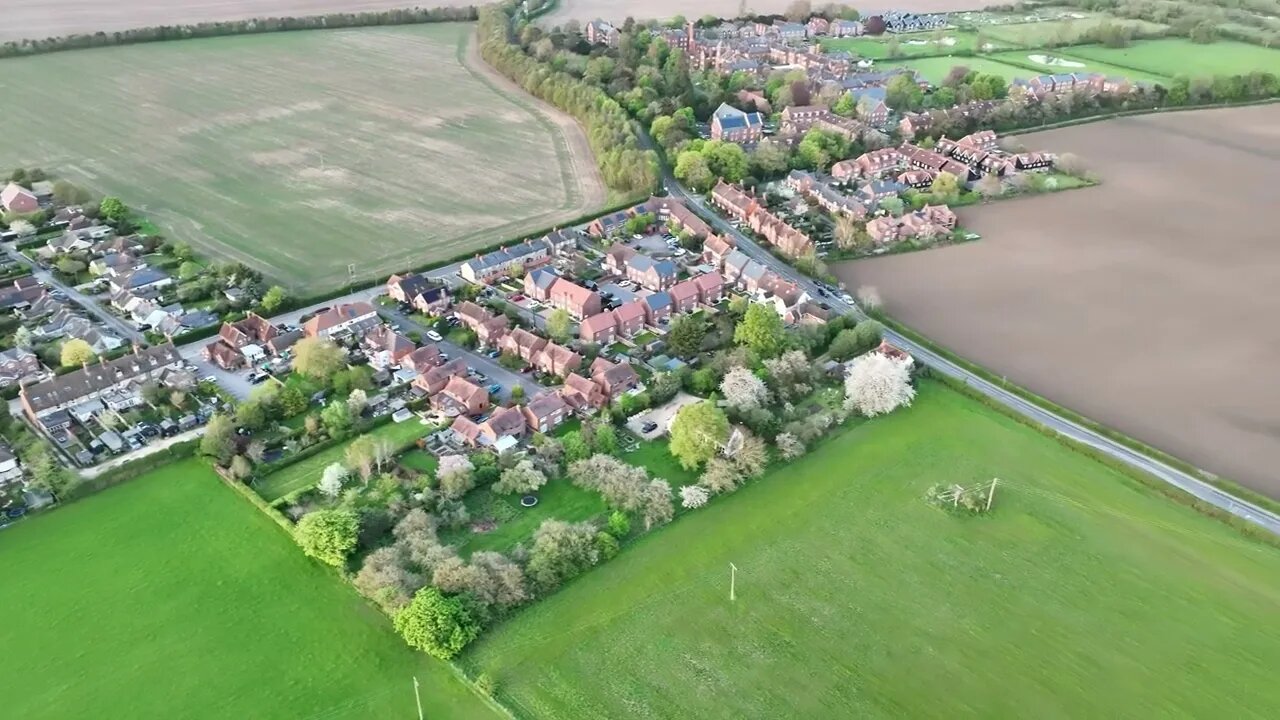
[[306, 472], [170, 597], [655, 456], [1084, 594], [559, 499], [925, 43], [1177, 56]]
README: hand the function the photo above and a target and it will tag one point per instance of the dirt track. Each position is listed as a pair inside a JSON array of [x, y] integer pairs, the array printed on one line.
[[1149, 303]]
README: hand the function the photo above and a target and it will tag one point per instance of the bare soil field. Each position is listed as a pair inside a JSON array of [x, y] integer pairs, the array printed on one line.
[[1148, 303], [300, 153], [617, 10], [50, 18]]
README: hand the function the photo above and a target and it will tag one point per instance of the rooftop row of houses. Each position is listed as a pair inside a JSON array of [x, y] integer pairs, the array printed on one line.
[[790, 241], [667, 210], [247, 342], [493, 266], [117, 384], [968, 158], [931, 221]]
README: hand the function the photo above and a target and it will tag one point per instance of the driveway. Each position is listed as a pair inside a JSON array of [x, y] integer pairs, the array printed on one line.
[[662, 415]]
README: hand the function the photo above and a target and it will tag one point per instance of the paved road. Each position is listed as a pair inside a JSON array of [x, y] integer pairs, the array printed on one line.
[[481, 363], [124, 329], [1186, 482]]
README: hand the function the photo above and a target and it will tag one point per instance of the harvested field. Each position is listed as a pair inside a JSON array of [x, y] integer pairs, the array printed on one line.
[[1147, 303], [49, 18], [298, 153]]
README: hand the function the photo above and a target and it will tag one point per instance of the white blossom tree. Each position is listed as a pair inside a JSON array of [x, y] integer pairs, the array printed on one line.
[[743, 390], [869, 297], [22, 228], [357, 401], [720, 476], [694, 496], [658, 508], [455, 475], [877, 384], [523, 477], [789, 445], [331, 480], [790, 374]]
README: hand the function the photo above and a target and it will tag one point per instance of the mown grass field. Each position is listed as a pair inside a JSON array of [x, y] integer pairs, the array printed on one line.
[[307, 472], [1178, 56], [169, 597], [926, 43], [1073, 64], [935, 69], [298, 153], [1083, 595], [1039, 34]]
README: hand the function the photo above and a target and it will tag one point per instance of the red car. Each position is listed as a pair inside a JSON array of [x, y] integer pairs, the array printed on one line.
[[517, 297]]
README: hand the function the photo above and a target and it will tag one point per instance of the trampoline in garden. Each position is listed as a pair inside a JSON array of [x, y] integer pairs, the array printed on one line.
[[528, 501]]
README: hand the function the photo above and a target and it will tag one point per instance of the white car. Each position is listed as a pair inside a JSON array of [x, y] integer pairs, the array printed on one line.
[[680, 252], [434, 336]]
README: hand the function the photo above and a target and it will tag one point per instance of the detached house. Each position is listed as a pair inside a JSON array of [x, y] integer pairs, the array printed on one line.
[[424, 294], [583, 394], [385, 347], [623, 322], [500, 432], [17, 199], [649, 273], [461, 397], [432, 379], [730, 124], [241, 342], [545, 412], [614, 379]]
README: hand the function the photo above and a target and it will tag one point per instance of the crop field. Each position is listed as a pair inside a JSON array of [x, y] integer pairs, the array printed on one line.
[[1151, 311], [1062, 60], [1176, 56], [300, 153], [1083, 595], [1038, 34], [169, 597], [307, 472], [935, 69]]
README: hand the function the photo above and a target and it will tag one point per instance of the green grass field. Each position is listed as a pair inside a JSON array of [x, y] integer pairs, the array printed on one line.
[[1071, 64], [1177, 56], [559, 499], [306, 472], [298, 153], [936, 69], [1084, 594], [170, 597], [1039, 34], [877, 48]]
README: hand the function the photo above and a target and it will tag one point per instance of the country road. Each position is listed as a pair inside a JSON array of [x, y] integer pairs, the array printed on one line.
[[126, 331], [1188, 483]]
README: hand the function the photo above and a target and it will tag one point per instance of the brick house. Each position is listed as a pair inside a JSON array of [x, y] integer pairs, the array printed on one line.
[[523, 344], [432, 301], [730, 124], [617, 257], [657, 307], [434, 379], [582, 393], [649, 273], [684, 296], [17, 199], [461, 396], [545, 412], [403, 288], [613, 378], [600, 32], [732, 200], [16, 365], [710, 288], [630, 318], [240, 342], [789, 240], [579, 301], [489, 328], [537, 283], [556, 359], [496, 265], [868, 164], [423, 359], [602, 328], [345, 319], [799, 118], [676, 214], [715, 249], [385, 347]]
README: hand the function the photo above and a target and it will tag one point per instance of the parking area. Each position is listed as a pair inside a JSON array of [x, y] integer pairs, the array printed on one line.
[[658, 420]]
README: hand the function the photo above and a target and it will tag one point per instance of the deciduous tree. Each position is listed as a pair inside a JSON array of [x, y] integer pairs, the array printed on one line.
[[657, 508], [789, 446], [455, 475], [877, 384], [743, 390], [760, 330], [698, 431], [558, 323], [523, 477], [331, 480], [437, 624], [694, 496], [328, 535], [561, 551], [318, 358], [218, 441], [75, 352]]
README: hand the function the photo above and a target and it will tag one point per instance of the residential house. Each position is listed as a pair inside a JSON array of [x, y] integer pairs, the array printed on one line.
[[139, 278], [47, 403], [404, 288], [385, 347], [710, 288], [498, 264], [868, 164], [538, 281], [807, 313], [617, 257], [715, 249], [929, 221], [876, 190], [614, 222], [583, 394], [844, 28], [684, 296], [732, 200], [10, 469], [489, 328], [431, 380], [614, 379], [600, 32], [17, 199], [607, 327], [579, 301], [500, 432], [114, 263], [649, 273], [18, 365], [432, 301], [919, 157], [780, 293], [755, 99], [657, 307], [818, 25], [21, 293], [423, 359], [345, 319], [790, 30], [630, 318], [733, 125], [790, 241], [675, 214], [545, 412], [523, 344], [558, 360], [918, 179], [461, 397]]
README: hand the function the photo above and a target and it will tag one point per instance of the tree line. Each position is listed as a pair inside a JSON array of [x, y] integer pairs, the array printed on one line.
[[158, 33], [624, 164]]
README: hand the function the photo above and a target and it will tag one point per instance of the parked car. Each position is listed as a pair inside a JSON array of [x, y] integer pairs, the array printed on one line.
[[493, 353], [434, 336], [680, 252], [517, 297], [649, 426], [495, 388]]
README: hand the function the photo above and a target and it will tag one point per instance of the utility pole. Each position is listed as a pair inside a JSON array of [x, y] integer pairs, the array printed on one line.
[[733, 581], [991, 494], [417, 697]]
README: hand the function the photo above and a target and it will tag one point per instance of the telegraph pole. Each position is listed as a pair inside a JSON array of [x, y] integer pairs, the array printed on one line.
[[991, 494], [733, 581], [417, 697]]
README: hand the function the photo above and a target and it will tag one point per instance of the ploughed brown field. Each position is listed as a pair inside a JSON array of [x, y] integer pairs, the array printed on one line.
[[1150, 303]]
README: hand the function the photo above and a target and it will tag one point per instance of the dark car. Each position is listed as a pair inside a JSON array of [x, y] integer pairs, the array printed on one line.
[[649, 426]]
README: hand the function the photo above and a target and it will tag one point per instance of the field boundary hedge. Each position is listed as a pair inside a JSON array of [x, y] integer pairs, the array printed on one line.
[[251, 26], [1229, 486], [1130, 113]]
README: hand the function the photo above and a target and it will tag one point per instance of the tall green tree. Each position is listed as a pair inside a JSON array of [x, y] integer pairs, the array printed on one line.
[[328, 535], [697, 433], [437, 624], [761, 331]]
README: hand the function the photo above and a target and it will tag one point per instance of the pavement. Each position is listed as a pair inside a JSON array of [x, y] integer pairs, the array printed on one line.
[[90, 304], [1188, 483]]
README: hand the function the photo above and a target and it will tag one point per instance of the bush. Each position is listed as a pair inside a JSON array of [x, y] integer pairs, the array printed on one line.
[[437, 624], [328, 535]]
